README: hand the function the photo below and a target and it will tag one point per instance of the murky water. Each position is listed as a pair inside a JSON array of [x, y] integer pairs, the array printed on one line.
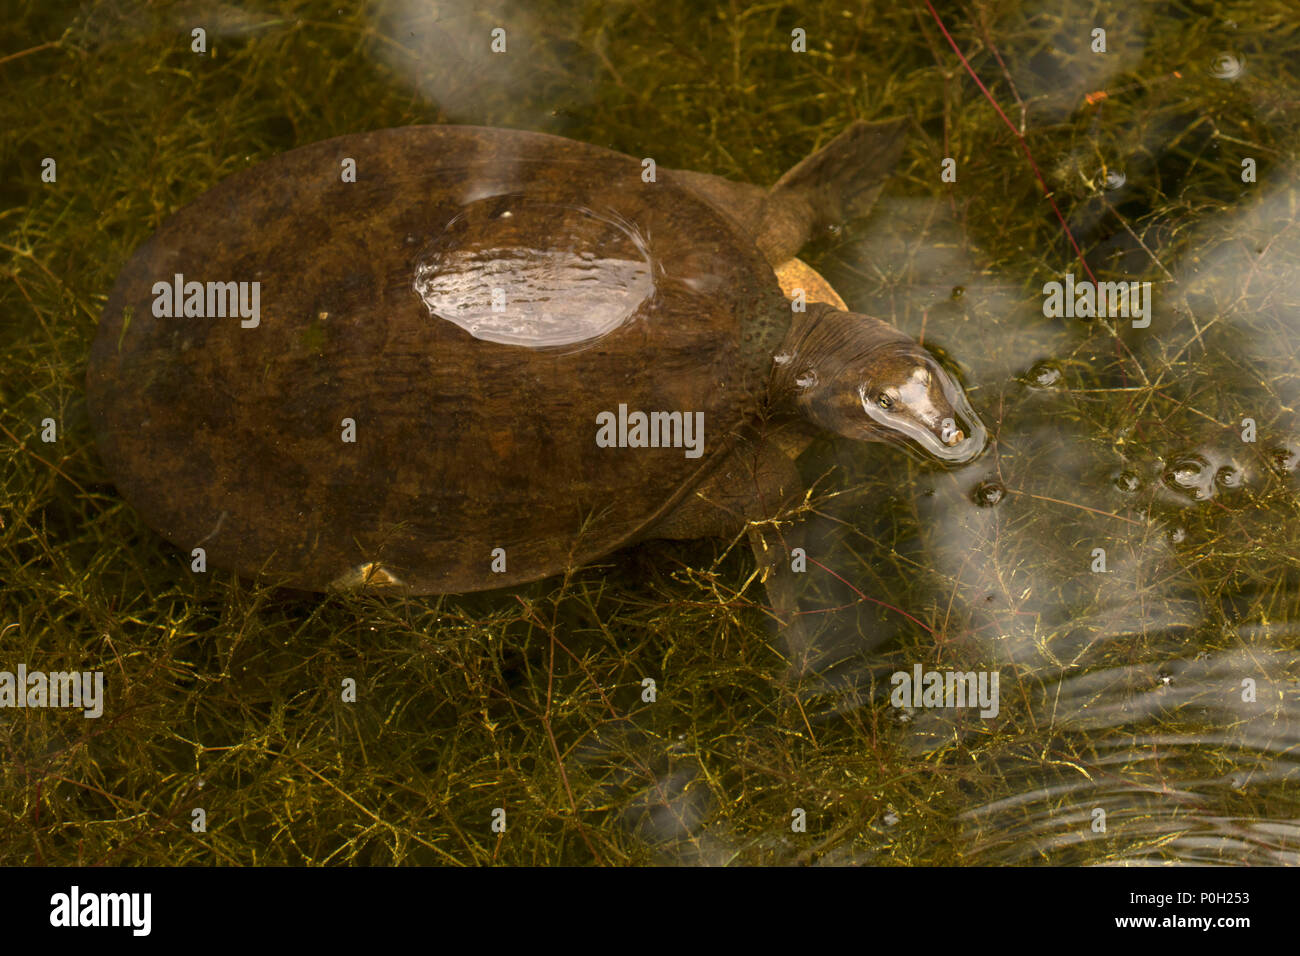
[[1122, 558]]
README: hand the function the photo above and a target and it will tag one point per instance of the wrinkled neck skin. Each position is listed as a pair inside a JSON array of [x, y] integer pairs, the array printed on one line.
[[822, 345], [864, 379]]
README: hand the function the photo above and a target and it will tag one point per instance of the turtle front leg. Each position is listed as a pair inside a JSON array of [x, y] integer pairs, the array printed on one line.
[[777, 550], [749, 488]]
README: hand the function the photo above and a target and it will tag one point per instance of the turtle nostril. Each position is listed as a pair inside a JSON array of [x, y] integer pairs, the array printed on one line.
[[950, 434]]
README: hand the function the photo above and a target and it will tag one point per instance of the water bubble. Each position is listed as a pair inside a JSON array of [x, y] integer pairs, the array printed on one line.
[[1114, 179], [783, 359], [1227, 66], [1228, 477], [806, 379], [1190, 475], [988, 493], [1044, 375], [1128, 481], [1177, 535]]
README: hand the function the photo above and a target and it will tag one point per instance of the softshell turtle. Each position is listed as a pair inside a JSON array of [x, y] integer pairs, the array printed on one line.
[[446, 359]]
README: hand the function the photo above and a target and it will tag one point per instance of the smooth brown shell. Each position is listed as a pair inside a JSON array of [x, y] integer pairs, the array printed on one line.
[[229, 438]]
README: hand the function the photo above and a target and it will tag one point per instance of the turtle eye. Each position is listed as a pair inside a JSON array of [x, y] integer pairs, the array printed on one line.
[[885, 401]]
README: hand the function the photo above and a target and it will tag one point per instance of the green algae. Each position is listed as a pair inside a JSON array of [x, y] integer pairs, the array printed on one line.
[[1119, 689]]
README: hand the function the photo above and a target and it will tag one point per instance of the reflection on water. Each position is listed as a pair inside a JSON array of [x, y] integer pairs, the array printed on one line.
[[589, 277], [1149, 670], [1174, 760]]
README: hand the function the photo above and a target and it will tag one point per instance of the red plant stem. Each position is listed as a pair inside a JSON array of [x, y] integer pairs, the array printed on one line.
[[1014, 132], [855, 590]]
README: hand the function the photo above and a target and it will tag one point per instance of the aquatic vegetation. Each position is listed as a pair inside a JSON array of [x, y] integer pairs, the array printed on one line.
[[1124, 556]]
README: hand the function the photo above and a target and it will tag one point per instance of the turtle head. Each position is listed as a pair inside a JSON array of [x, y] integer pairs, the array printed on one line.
[[863, 379], [908, 398]]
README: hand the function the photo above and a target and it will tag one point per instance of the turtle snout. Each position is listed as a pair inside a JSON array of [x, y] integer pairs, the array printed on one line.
[[910, 400], [961, 437], [956, 433], [942, 411]]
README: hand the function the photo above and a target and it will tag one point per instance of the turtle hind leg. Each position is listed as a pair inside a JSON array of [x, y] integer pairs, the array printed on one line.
[[837, 183]]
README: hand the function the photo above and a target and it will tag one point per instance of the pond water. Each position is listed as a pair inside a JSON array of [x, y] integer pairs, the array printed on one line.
[[1113, 585]]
